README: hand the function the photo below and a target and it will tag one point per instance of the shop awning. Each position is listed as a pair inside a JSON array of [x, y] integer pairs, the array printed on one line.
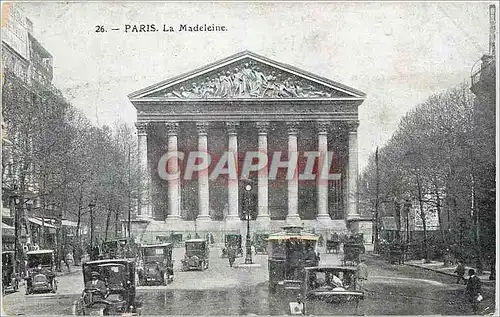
[[69, 223], [7, 230], [40, 222]]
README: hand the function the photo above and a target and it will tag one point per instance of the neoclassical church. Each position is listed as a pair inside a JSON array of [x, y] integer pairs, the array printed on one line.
[[247, 103]]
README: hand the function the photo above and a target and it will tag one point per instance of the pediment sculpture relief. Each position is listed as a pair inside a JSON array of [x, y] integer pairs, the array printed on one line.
[[247, 80]]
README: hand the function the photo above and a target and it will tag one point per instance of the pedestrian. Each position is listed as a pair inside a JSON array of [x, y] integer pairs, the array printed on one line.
[[473, 290], [460, 270], [361, 274], [69, 260], [231, 255]]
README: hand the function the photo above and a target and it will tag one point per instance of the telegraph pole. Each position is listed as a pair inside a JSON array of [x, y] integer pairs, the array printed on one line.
[[377, 181]]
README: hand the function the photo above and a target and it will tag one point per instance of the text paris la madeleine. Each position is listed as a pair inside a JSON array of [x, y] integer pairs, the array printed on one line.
[[144, 28]]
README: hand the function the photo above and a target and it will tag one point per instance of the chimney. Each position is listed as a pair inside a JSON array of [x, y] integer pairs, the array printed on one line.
[[492, 30]]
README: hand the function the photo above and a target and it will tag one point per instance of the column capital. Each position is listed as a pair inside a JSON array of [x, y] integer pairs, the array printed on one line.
[[172, 128], [323, 127], [352, 126], [292, 128], [142, 128], [262, 127], [232, 127], [202, 127]]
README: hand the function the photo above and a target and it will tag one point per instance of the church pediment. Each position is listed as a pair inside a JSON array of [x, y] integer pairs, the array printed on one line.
[[247, 75]]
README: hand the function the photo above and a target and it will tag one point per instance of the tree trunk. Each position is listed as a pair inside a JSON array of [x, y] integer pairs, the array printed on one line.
[[440, 216], [422, 216]]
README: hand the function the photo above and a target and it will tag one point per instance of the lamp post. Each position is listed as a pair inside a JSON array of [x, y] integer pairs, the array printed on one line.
[[91, 206], [17, 251], [407, 211], [248, 256]]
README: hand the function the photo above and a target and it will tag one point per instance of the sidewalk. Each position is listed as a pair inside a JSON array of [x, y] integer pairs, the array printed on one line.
[[439, 267]]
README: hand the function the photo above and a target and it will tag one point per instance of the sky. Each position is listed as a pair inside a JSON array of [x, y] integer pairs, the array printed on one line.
[[398, 53]]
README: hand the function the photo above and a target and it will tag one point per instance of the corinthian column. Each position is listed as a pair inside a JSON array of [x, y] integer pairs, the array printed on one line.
[[232, 183], [293, 182], [144, 201], [203, 189], [352, 185], [262, 175], [322, 176], [173, 167]]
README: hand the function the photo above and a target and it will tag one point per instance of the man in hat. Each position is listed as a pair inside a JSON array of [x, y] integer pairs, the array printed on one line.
[[473, 290], [96, 283]]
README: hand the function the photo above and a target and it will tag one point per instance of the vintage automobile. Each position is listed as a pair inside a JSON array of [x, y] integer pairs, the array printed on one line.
[[260, 243], [116, 296], [10, 276], [196, 256], [40, 272], [155, 265], [289, 253], [328, 289], [333, 243], [352, 252], [232, 241], [123, 248]]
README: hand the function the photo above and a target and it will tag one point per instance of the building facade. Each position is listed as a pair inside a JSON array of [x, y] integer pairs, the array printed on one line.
[[26, 64], [230, 112]]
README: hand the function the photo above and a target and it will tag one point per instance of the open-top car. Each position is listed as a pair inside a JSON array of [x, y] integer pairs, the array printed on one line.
[[196, 256], [330, 289], [155, 264], [232, 241], [10, 276], [109, 289], [289, 252], [40, 272], [260, 243]]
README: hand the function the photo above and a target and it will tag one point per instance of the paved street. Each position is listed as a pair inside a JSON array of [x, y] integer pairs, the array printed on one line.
[[391, 290]]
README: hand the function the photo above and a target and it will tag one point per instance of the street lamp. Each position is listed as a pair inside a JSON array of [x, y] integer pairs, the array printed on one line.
[[17, 251], [407, 211], [91, 206], [248, 256]]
